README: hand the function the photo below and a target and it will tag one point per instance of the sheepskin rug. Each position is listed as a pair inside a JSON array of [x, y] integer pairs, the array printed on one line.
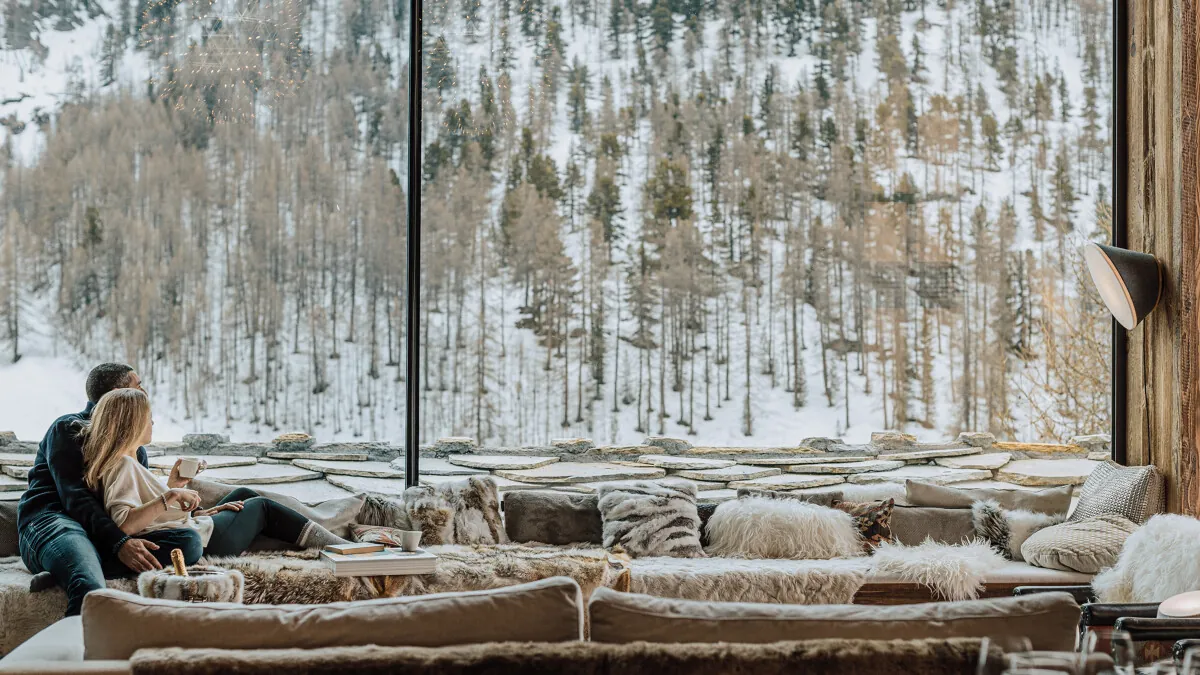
[[1159, 560], [761, 527], [953, 572], [797, 582]]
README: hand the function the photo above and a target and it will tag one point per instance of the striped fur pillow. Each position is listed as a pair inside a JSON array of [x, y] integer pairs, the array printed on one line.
[[651, 519]]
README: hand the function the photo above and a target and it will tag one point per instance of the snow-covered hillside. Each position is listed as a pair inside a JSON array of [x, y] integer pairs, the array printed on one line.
[[747, 222]]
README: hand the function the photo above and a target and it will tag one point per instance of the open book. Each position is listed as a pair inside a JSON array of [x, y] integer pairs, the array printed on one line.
[[388, 562]]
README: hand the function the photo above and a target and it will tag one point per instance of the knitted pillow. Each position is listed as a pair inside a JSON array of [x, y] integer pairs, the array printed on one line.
[[1136, 492], [1086, 546], [873, 520], [651, 519]]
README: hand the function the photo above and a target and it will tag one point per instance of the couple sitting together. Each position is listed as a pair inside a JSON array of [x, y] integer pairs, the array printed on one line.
[[93, 509]]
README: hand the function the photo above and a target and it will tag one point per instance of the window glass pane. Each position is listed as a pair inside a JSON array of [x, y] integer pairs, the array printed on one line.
[[212, 191], [748, 223]]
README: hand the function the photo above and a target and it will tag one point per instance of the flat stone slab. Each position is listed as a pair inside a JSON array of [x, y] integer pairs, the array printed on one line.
[[10, 484], [310, 492], [1099, 455], [493, 462], [702, 451], [16, 459], [561, 473], [990, 461], [788, 481], [339, 468], [848, 467], [332, 456], [435, 466], [21, 472], [388, 487], [730, 473], [915, 455], [165, 462], [796, 461], [718, 496], [994, 485], [938, 475], [681, 463], [1046, 472], [260, 474]]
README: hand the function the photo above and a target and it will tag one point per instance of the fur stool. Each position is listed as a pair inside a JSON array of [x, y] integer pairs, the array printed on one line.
[[203, 584]]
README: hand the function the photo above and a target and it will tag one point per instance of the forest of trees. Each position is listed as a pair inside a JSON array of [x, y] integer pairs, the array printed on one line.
[[742, 221]]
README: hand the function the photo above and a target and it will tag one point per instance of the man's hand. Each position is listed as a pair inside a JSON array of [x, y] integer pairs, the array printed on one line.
[[136, 555], [177, 481]]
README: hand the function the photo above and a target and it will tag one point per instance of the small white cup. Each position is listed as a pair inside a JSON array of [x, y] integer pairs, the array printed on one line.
[[188, 467], [410, 540]]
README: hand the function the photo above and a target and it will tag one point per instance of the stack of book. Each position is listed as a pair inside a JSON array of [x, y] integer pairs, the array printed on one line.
[[368, 560]]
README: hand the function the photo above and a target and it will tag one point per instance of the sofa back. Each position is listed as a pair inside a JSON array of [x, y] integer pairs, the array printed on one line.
[[1049, 620], [116, 624]]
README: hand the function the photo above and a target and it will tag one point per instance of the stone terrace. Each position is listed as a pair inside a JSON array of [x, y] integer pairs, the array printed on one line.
[[295, 464]]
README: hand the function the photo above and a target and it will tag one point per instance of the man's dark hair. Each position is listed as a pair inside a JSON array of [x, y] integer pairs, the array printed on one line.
[[106, 377]]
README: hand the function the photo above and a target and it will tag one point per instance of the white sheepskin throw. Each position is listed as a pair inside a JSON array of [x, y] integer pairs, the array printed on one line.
[[953, 572], [759, 527], [1007, 529], [647, 518], [792, 582], [1159, 560]]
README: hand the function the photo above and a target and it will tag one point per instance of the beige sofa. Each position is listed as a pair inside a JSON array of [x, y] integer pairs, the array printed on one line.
[[116, 626]]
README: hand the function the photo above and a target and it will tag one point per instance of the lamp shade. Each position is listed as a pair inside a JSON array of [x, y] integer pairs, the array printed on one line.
[[1130, 282]]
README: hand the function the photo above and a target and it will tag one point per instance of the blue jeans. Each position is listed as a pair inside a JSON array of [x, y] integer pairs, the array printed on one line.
[[57, 544]]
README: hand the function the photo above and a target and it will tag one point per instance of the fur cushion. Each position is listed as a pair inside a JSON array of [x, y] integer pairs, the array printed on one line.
[[203, 584], [826, 498], [456, 512], [1159, 560], [873, 520], [763, 527], [385, 512], [651, 519], [1006, 530]]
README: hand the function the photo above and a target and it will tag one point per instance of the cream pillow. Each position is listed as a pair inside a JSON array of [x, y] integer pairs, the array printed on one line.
[[761, 527], [1086, 546]]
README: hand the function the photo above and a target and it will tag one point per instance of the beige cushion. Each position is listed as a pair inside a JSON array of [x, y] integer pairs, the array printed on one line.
[[60, 641], [911, 525], [1086, 546], [1056, 500], [1047, 619], [116, 624], [1136, 492]]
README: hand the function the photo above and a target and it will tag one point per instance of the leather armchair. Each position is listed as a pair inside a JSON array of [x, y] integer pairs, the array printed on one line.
[[1082, 593]]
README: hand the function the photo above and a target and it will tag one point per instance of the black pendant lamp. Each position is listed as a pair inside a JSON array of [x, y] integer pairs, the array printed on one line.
[[1130, 282]]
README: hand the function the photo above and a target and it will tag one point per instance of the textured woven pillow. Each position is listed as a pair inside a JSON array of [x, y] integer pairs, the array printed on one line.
[[873, 520], [1136, 492], [651, 519], [1086, 546]]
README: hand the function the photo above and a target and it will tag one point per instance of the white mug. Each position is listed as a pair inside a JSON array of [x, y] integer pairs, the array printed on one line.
[[188, 467], [410, 540]]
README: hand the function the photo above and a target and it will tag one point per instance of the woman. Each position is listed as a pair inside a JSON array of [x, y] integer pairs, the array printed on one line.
[[141, 504]]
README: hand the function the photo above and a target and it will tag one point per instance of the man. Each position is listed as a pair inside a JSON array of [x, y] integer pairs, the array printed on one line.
[[64, 531]]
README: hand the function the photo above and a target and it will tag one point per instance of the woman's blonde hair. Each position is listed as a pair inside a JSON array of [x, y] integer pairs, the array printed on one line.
[[117, 424]]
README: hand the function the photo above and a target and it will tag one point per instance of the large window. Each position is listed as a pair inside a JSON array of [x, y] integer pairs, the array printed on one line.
[[754, 222], [214, 191]]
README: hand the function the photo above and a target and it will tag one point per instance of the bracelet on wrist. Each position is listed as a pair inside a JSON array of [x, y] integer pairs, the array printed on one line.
[[163, 497]]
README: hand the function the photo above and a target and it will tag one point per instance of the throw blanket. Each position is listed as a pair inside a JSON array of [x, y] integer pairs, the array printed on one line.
[[813, 657], [796, 582], [952, 571]]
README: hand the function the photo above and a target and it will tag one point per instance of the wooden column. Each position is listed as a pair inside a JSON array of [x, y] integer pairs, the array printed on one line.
[[1162, 210]]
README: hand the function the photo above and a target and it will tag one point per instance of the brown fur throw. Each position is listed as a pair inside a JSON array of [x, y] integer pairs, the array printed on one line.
[[812, 657]]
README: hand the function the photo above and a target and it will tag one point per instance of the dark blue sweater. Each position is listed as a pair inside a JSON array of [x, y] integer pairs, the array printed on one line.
[[56, 484]]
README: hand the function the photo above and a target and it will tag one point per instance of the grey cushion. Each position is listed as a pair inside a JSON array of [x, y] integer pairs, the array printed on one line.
[[651, 518], [552, 517], [1086, 546], [8, 529], [1047, 619], [1136, 492], [1056, 500], [823, 498], [912, 525]]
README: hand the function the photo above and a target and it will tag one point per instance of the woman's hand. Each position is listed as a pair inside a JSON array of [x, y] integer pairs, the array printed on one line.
[[177, 481], [184, 498], [228, 506]]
